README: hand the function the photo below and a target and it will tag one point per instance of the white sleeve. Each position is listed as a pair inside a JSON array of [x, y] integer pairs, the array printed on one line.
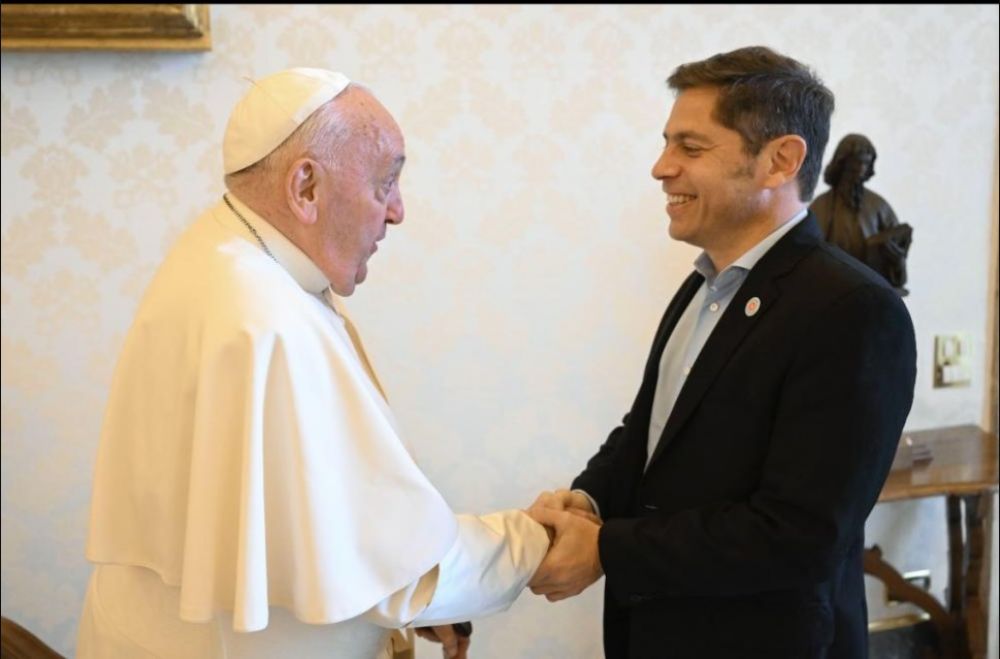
[[493, 558]]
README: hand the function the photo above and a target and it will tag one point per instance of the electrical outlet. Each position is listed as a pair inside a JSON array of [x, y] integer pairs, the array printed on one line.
[[952, 360]]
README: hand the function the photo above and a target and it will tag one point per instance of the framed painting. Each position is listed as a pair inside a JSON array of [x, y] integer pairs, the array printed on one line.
[[104, 27]]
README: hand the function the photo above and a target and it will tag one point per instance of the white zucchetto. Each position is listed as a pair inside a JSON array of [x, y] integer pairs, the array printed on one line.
[[271, 111]]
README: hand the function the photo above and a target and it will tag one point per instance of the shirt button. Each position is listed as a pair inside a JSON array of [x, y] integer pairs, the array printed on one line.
[[714, 306], [687, 370]]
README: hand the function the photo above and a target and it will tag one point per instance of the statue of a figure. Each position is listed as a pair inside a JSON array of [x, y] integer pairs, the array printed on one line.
[[858, 220]]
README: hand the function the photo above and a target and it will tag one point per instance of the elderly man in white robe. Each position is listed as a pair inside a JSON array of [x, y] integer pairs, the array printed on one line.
[[252, 495]]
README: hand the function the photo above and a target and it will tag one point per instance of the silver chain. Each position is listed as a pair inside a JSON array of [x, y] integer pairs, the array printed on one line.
[[249, 226]]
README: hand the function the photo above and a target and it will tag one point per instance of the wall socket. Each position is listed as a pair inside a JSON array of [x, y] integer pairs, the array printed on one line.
[[952, 360]]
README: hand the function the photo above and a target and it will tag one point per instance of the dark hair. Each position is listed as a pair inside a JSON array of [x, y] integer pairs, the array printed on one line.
[[763, 95], [850, 146]]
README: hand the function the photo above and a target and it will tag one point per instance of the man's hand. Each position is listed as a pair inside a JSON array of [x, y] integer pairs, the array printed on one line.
[[453, 646], [573, 562], [563, 500]]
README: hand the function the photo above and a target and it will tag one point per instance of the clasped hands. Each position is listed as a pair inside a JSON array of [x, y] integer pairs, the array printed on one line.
[[573, 562], [570, 566]]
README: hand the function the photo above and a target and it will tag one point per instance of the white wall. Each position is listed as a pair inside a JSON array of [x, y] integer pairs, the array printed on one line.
[[510, 315]]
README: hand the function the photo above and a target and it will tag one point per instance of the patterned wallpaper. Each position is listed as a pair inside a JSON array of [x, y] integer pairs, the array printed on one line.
[[510, 315]]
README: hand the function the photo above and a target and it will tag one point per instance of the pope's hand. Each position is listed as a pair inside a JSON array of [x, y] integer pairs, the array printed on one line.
[[453, 646], [573, 562]]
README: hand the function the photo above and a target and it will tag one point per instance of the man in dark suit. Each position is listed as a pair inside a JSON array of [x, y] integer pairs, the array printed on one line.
[[727, 511]]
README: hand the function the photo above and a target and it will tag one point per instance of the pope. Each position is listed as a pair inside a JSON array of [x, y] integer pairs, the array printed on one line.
[[250, 476]]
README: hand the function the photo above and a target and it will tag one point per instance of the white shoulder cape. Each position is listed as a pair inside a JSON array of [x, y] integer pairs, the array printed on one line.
[[246, 456]]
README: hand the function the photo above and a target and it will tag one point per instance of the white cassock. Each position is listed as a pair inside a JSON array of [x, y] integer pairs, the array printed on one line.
[[252, 496]]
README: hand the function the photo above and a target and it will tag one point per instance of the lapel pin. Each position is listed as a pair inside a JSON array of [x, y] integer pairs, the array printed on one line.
[[752, 307]]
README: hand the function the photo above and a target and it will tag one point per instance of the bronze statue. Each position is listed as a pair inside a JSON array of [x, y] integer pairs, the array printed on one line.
[[858, 220]]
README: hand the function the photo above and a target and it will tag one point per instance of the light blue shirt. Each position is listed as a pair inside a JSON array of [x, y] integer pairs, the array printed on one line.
[[696, 324]]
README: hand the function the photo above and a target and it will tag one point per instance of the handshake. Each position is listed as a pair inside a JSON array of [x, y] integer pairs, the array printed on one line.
[[572, 562], [570, 566]]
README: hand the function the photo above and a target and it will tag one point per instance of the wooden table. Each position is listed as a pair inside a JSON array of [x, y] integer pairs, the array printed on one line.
[[963, 468]]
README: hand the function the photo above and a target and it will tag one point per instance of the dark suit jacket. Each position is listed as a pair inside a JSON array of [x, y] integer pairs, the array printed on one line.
[[744, 536]]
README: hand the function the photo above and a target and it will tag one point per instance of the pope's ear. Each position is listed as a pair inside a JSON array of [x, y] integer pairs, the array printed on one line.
[[786, 155], [302, 188]]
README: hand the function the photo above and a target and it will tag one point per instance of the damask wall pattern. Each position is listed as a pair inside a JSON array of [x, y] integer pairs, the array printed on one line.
[[510, 314]]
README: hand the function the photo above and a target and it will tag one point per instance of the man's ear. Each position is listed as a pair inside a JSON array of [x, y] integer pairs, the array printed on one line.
[[785, 157], [302, 189]]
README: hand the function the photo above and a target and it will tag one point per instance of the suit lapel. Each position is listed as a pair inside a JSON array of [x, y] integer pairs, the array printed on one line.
[[738, 320], [633, 458], [673, 314]]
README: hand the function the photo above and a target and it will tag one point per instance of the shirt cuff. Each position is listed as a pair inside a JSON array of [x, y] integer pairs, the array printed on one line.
[[593, 504]]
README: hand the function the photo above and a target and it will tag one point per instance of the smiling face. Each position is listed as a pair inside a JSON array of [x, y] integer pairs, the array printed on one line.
[[359, 194], [712, 185]]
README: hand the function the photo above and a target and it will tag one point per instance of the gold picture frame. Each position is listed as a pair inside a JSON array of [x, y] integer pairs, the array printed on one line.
[[105, 27]]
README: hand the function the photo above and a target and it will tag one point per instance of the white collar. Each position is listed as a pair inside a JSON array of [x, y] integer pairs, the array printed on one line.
[[288, 256]]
